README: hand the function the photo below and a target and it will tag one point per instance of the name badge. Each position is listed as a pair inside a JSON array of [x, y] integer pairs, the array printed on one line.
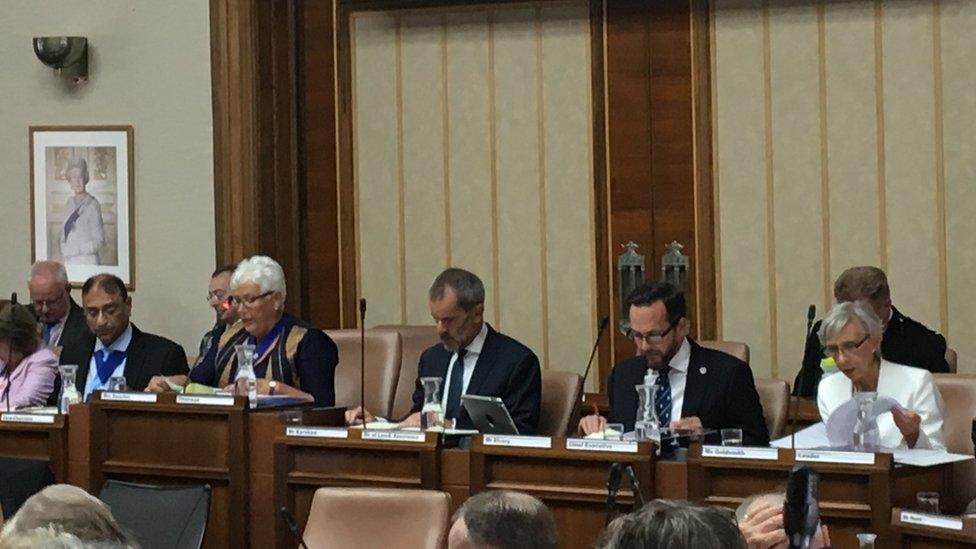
[[395, 436], [129, 397], [935, 521], [830, 456], [27, 418], [595, 445], [316, 432], [740, 452], [205, 400], [517, 441]]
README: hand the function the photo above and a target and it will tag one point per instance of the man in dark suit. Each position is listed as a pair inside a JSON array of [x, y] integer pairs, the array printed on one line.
[[473, 358], [904, 341], [117, 347], [62, 321], [694, 387]]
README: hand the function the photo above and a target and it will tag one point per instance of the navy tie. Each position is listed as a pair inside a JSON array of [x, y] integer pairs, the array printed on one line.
[[662, 397], [457, 384]]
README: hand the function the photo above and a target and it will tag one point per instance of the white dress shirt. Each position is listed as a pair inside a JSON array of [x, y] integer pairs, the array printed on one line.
[[121, 343], [470, 359], [677, 377], [913, 388]]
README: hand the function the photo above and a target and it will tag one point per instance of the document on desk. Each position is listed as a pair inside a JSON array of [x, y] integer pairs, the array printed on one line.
[[926, 457], [814, 436]]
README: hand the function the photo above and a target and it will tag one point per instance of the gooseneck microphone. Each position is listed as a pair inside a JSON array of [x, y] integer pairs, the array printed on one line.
[[292, 526], [811, 314], [801, 514], [362, 359], [604, 322], [6, 363]]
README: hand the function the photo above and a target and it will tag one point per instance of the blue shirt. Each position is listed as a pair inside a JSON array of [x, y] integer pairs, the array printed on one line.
[[121, 343]]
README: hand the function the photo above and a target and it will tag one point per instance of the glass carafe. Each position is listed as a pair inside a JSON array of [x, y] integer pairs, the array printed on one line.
[[69, 391], [246, 383], [432, 414], [646, 425], [866, 437], [865, 540]]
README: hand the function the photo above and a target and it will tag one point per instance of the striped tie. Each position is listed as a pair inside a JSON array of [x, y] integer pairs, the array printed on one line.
[[662, 397]]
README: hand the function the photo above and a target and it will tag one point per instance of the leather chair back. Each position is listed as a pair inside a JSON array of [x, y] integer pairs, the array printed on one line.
[[378, 518], [414, 340], [952, 359], [559, 390], [382, 369], [959, 395], [737, 349], [774, 395], [160, 516]]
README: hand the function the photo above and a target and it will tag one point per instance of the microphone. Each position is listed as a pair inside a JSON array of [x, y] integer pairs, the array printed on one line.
[[604, 322], [292, 526], [811, 314], [634, 485], [6, 363], [613, 486], [13, 298], [362, 358], [801, 513]]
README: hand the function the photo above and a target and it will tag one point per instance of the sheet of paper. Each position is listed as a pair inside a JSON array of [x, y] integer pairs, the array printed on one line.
[[927, 457], [814, 436], [840, 424]]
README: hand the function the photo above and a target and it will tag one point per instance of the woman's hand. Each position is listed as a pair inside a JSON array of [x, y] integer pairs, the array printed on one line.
[[763, 526], [908, 422]]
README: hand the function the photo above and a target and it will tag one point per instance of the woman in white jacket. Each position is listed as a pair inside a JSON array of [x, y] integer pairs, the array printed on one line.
[[82, 234], [851, 335]]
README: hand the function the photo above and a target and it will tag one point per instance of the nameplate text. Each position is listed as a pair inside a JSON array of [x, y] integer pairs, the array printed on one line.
[[935, 521], [830, 456], [740, 452], [596, 445], [205, 400], [395, 436], [27, 418], [517, 441], [129, 397], [317, 432]]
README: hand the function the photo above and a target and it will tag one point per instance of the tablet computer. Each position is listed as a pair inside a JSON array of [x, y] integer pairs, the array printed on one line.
[[489, 415]]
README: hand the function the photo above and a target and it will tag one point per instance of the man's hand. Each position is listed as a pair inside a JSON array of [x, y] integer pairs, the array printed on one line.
[[413, 420], [593, 423], [356, 416], [763, 526], [691, 423], [158, 384], [908, 422]]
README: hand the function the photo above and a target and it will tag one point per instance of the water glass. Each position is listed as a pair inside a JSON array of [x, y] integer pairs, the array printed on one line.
[[613, 431], [927, 502], [731, 436], [116, 384]]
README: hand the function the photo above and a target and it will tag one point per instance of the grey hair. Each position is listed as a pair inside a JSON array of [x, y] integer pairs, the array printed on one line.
[[673, 523], [77, 162], [50, 268], [260, 270], [508, 520], [67, 510], [467, 286], [850, 311]]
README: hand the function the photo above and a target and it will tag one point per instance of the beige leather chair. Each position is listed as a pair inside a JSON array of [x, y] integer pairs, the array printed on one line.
[[559, 390], [959, 394], [774, 395], [735, 348], [414, 340], [382, 369], [380, 518], [952, 359]]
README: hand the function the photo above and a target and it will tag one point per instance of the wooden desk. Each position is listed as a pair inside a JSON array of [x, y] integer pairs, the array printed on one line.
[[40, 441], [572, 483], [918, 536], [853, 498]]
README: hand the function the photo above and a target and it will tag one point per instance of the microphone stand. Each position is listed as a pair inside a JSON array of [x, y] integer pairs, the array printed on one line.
[[362, 359], [292, 525], [811, 313], [577, 402]]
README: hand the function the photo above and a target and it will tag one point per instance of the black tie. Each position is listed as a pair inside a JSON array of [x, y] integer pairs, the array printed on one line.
[[457, 384]]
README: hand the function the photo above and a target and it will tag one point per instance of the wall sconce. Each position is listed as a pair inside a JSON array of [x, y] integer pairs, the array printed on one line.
[[67, 55]]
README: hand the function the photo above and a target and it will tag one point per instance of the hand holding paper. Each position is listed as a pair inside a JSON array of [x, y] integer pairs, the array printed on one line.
[[908, 422]]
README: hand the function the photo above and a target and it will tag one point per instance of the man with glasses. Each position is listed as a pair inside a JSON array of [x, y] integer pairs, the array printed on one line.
[[695, 387], [905, 341], [61, 320], [219, 299]]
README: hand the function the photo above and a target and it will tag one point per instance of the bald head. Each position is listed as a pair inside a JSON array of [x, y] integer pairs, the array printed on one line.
[[49, 291], [501, 519]]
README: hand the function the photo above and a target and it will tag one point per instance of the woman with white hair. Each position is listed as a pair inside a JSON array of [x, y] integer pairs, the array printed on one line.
[[83, 234], [291, 358], [851, 335]]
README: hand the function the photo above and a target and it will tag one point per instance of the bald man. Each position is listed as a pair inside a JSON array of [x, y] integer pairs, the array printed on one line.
[[62, 320]]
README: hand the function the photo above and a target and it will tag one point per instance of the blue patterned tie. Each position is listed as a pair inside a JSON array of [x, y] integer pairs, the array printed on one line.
[[662, 397], [457, 384]]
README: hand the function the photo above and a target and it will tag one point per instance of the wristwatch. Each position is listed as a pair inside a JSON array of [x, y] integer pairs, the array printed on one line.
[[272, 385]]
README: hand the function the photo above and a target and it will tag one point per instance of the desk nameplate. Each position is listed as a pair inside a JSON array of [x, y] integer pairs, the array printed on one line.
[[394, 436], [317, 432], [740, 452], [596, 445], [935, 521], [517, 441], [128, 396], [12, 417], [205, 400], [830, 456]]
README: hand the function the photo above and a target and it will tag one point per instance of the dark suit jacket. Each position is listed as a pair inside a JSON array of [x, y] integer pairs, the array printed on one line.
[[723, 396], [148, 355], [75, 334], [505, 369], [905, 341]]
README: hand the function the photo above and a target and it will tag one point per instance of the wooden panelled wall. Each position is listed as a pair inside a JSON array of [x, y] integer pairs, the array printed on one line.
[[283, 146]]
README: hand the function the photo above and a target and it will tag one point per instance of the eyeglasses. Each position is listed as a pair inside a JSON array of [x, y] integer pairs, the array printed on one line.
[[49, 303], [650, 337], [847, 347], [248, 301], [219, 295]]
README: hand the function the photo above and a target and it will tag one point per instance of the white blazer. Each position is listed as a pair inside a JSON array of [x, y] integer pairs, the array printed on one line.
[[913, 388]]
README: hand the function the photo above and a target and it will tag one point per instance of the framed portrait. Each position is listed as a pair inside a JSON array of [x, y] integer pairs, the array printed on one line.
[[81, 199]]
